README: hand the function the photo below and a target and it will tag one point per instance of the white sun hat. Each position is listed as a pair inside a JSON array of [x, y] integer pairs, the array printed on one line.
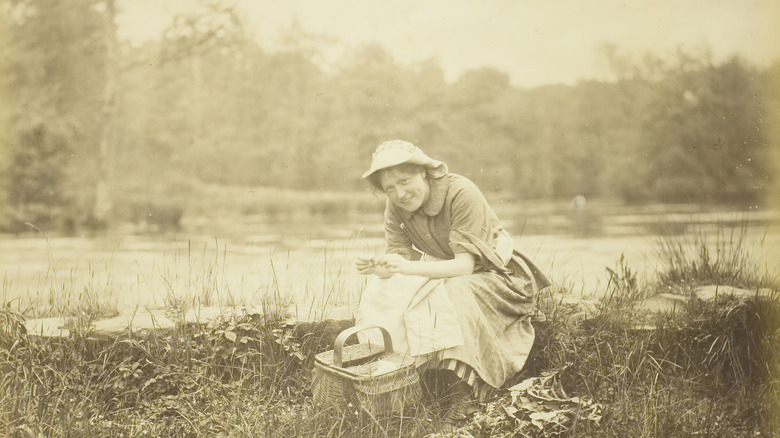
[[394, 152]]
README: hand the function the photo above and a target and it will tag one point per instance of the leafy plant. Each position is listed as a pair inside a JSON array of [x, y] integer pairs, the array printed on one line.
[[720, 257]]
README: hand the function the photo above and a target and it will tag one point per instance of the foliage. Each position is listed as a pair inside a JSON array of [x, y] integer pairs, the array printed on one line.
[[704, 131], [710, 369], [538, 406], [731, 341], [720, 257], [79, 384], [52, 77], [206, 103], [687, 378], [36, 194]]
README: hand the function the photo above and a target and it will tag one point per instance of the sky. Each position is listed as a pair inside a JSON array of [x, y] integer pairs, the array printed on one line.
[[535, 41]]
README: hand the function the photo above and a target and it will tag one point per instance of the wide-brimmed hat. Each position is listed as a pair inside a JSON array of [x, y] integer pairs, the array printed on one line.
[[394, 152]]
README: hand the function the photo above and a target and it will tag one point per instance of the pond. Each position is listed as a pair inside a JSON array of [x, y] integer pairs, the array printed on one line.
[[309, 261]]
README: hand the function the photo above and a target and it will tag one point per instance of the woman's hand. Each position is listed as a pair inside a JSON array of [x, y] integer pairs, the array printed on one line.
[[365, 265], [370, 265], [384, 267], [395, 264]]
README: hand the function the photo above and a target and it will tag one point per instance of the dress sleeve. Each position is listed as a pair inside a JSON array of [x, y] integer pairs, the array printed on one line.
[[472, 227], [398, 241]]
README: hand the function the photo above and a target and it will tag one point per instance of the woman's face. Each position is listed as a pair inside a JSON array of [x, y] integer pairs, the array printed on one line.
[[408, 189]]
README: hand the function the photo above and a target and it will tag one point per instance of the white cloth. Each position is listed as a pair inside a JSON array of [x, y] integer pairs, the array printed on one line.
[[416, 311]]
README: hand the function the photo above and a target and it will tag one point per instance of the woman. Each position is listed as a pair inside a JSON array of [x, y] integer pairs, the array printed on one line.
[[450, 289]]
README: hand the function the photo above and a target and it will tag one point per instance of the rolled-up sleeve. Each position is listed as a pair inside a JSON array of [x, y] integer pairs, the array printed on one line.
[[469, 216]]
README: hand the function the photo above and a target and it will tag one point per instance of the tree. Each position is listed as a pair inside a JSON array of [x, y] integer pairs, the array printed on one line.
[[108, 111], [162, 94], [36, 195], [475, 104], [704, 133], [54, 77]]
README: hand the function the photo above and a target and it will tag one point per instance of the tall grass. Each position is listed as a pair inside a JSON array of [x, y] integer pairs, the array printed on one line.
[[79, 294], [720, 256], [710, 369], [245, 374], [707, 370]]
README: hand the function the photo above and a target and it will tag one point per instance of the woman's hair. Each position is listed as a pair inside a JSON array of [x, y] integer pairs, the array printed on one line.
[[407, 168]]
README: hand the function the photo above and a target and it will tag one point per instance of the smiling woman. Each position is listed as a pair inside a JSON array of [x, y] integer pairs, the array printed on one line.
[[450, 289], [405, 186]]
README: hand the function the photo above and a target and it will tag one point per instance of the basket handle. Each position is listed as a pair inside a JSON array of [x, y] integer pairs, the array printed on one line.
[[338, 344]]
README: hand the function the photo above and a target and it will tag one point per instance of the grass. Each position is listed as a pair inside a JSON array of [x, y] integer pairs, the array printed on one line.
[[180, 277], [721, 256], [707, 370]]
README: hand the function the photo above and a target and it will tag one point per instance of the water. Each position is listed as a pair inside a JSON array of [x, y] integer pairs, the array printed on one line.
[[310, 262]]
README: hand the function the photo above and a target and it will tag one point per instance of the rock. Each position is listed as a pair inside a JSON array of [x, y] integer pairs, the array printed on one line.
[[48, 327], [156, 319], [139, 320], [667, 303], [711, 291], [301, 313], [662, 303]]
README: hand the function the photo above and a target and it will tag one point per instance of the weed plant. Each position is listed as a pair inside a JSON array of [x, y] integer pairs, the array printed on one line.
[[80, 295], [720, 256], [709, 369], [245, 374]]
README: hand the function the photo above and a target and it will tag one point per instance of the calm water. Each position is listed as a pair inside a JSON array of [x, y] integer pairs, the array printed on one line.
[[310, 261]]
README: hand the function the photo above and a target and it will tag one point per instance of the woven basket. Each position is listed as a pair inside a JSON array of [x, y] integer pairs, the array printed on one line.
[[365, 376]]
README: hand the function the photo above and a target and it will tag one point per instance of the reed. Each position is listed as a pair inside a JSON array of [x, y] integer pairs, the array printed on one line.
[[721, 256], [708, 370]]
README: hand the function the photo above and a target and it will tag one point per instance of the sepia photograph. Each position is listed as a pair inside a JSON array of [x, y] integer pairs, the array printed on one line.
[[376, 218]]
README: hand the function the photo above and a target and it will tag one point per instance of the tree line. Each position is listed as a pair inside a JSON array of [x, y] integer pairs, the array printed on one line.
[[93, 125]]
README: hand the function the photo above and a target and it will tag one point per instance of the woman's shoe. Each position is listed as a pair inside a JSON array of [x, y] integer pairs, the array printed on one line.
[[461, 402]]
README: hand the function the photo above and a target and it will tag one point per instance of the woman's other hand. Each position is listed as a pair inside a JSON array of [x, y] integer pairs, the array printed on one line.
[[370, 265], [365, 265], [384, 267], [395, 264]]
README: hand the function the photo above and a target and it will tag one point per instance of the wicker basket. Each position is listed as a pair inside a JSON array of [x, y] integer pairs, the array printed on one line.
[[365, 376]]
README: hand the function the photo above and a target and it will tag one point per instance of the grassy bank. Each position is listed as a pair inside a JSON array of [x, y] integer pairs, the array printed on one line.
[[710, 369]]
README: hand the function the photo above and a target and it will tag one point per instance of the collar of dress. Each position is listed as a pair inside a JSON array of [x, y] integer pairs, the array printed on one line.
[[436, 200]]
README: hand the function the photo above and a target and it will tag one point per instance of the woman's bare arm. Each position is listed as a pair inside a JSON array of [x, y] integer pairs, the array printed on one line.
[[462, 264]]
